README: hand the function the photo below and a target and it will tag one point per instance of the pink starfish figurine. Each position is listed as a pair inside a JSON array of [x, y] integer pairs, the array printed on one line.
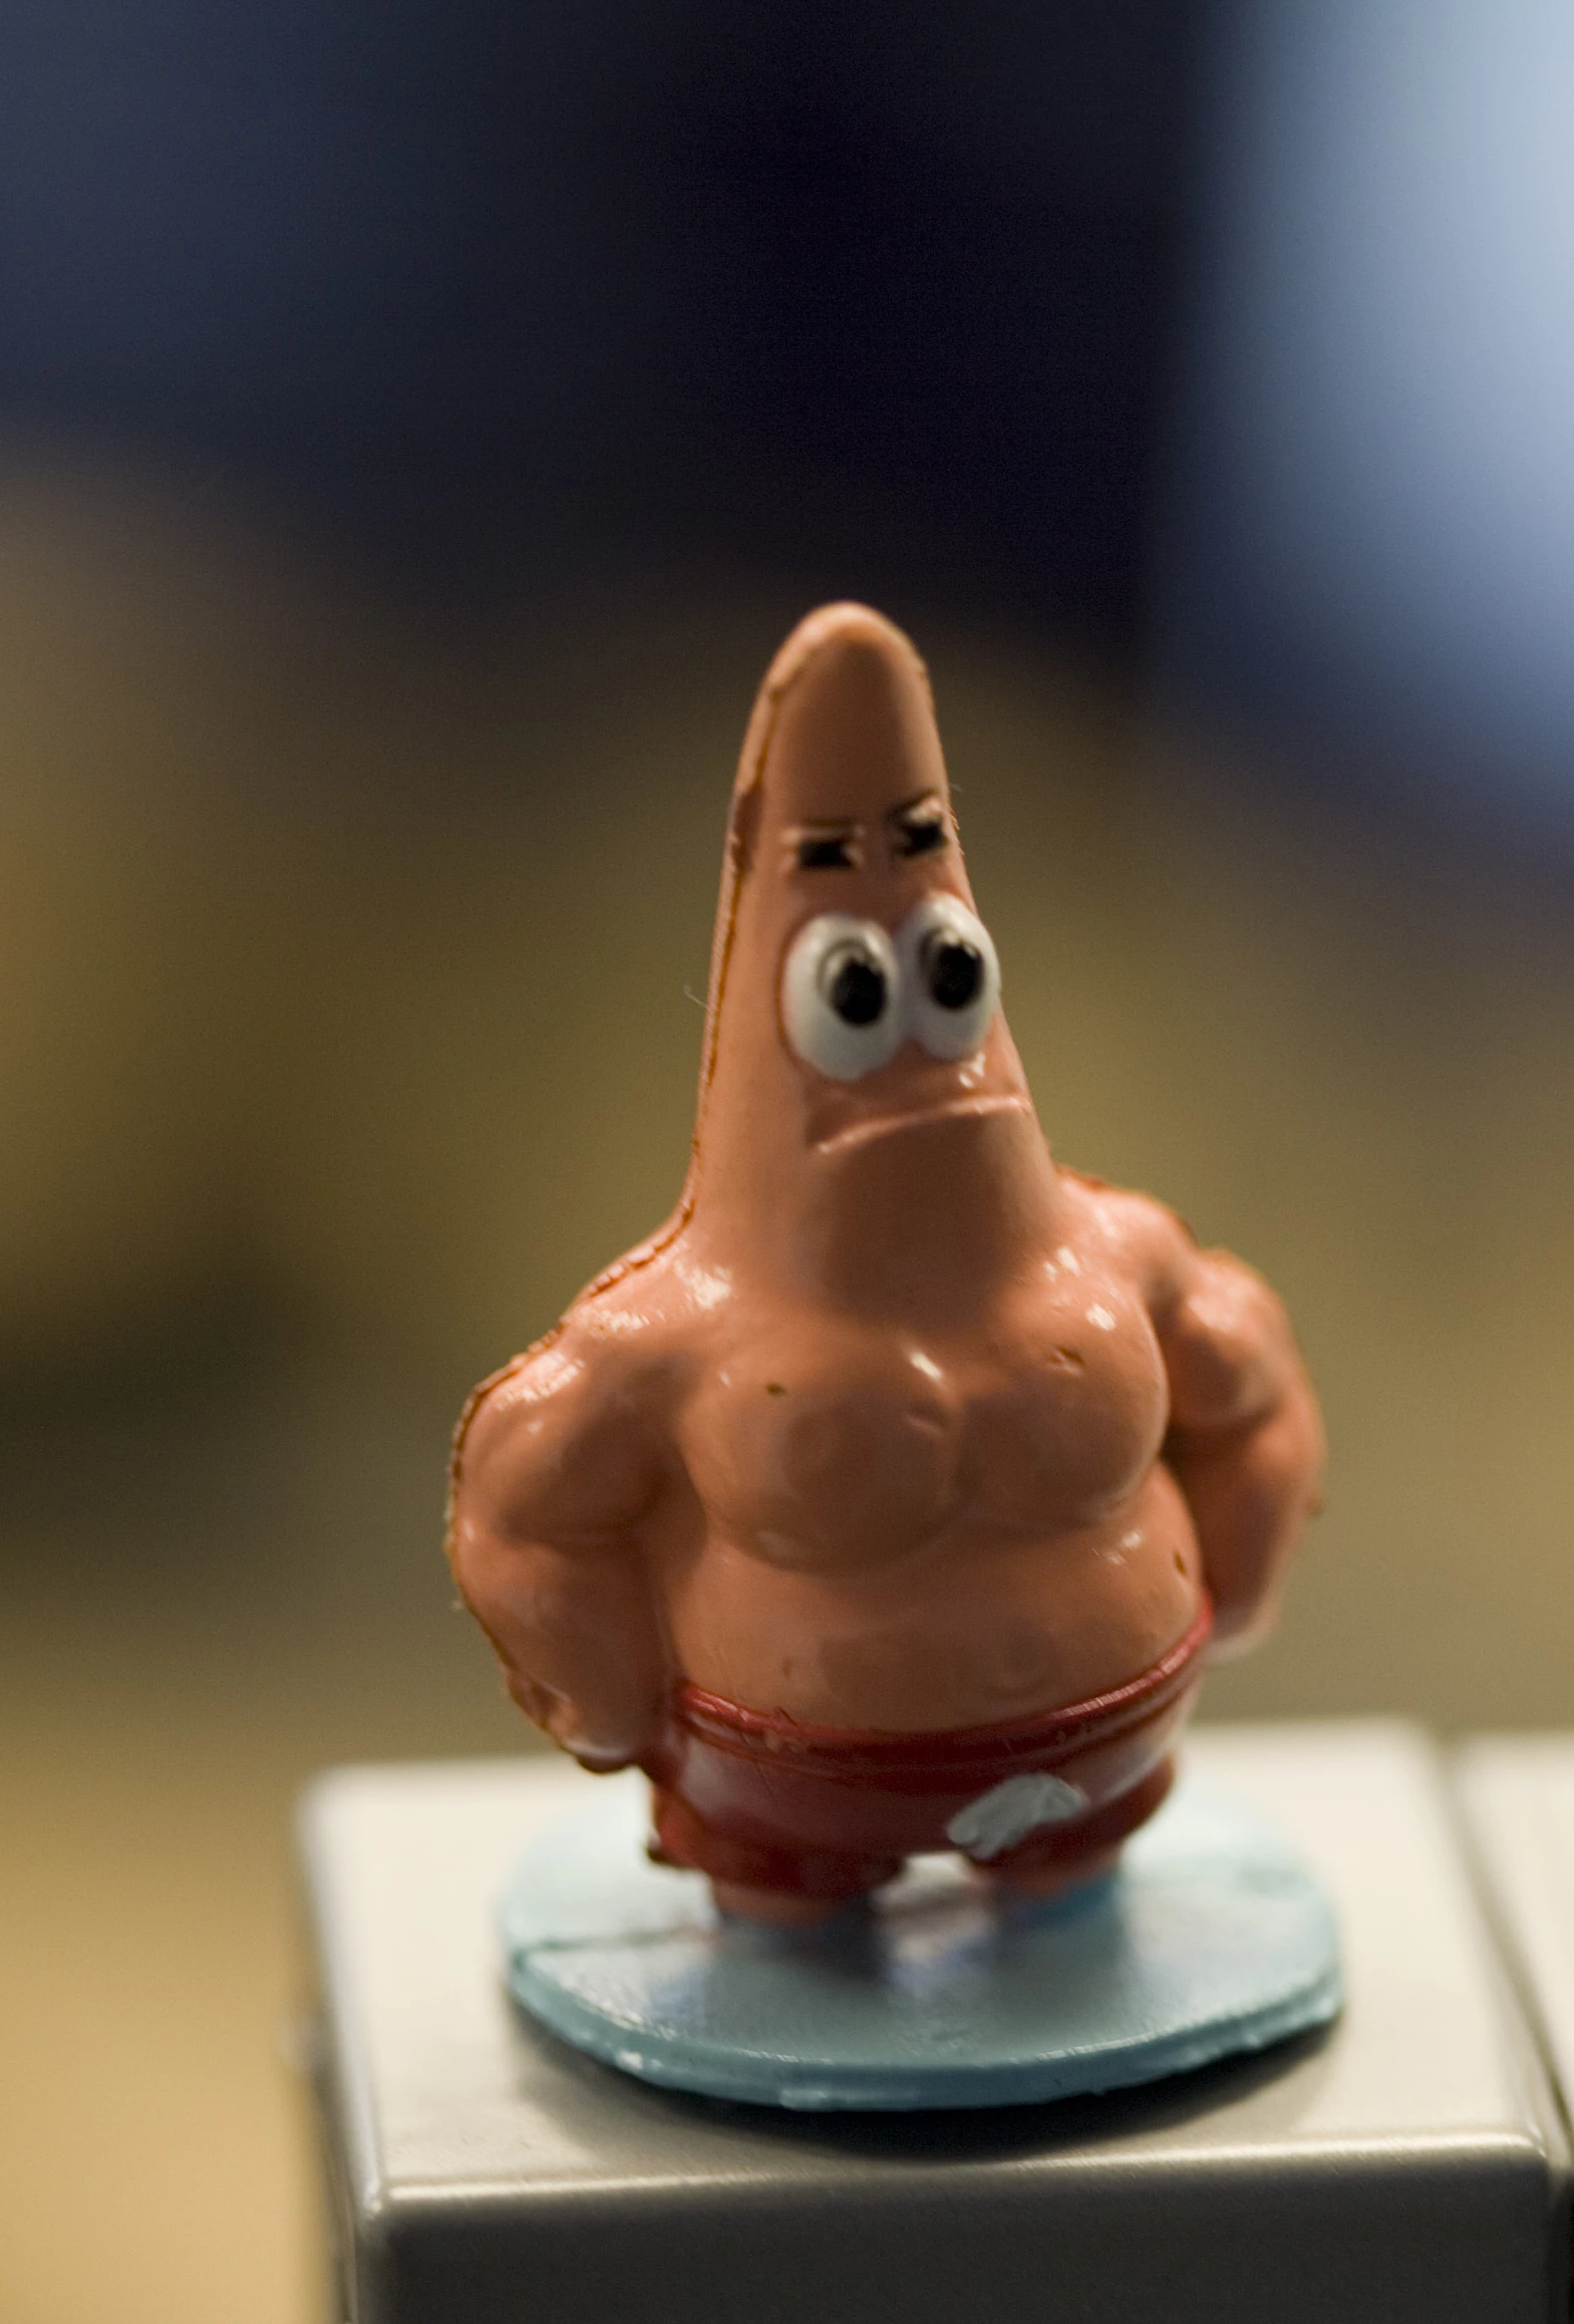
[[888, 1498]]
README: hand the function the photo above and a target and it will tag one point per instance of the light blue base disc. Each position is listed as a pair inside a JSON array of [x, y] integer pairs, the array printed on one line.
[[1213, 1937]]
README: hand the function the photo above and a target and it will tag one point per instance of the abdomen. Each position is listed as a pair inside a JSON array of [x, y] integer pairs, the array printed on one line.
[[981, 1624]]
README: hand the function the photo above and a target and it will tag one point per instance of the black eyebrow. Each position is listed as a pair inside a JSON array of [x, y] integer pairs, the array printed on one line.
[[829, 847], [919, 824]]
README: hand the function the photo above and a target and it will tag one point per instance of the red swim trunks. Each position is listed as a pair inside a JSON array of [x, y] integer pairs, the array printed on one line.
[[768, 1802]]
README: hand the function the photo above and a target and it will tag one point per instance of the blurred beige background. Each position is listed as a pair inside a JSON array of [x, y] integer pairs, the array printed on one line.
[[350, 958]]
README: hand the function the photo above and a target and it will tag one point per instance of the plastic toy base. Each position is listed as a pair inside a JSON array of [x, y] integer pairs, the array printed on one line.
[[1212, 1938]]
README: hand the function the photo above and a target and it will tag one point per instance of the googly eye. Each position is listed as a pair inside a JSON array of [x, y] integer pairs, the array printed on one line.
[[839, 991], [950, 977]]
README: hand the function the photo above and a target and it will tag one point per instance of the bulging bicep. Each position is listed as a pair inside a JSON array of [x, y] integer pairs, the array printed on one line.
[[560, 1449], [1227, 1347]]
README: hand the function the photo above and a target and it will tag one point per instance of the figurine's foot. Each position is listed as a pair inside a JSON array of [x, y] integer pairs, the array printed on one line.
[[1047, 1884], [776, 1907]]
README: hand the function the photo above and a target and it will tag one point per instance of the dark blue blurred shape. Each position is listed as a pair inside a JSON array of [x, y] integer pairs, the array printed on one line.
[[880, 297], [1373, 542]]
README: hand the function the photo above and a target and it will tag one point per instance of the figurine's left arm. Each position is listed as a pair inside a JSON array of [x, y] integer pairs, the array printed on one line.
[[1245, 1438]]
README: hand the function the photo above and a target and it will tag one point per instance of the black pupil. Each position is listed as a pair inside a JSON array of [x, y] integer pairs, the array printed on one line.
[[858, 991], [956, 973]]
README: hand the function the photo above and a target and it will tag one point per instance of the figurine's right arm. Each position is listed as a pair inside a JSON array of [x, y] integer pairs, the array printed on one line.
[[555, 1465]]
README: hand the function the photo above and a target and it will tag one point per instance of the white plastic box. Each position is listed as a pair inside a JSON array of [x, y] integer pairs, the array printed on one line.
[[1409, 2167]]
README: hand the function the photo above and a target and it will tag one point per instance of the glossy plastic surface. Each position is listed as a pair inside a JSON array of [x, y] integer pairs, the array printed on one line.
[[896, 1426]]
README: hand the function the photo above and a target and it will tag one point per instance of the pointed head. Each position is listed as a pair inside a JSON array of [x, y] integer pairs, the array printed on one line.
[[854, 992]]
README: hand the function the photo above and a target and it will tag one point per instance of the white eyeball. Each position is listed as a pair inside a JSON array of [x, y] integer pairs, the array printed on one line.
[[840, 997], [950, 977]]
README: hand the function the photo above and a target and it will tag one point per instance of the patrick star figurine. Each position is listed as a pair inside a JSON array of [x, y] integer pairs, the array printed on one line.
[[891, 1498]]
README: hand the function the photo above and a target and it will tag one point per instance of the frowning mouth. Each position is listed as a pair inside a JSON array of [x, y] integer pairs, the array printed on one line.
[[881, 1125]]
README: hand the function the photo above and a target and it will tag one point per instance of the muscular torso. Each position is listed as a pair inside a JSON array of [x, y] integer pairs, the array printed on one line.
[[885, 1528], [947, 1522]]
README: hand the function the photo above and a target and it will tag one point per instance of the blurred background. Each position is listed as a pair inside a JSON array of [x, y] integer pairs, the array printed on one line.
[[418, 427]]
